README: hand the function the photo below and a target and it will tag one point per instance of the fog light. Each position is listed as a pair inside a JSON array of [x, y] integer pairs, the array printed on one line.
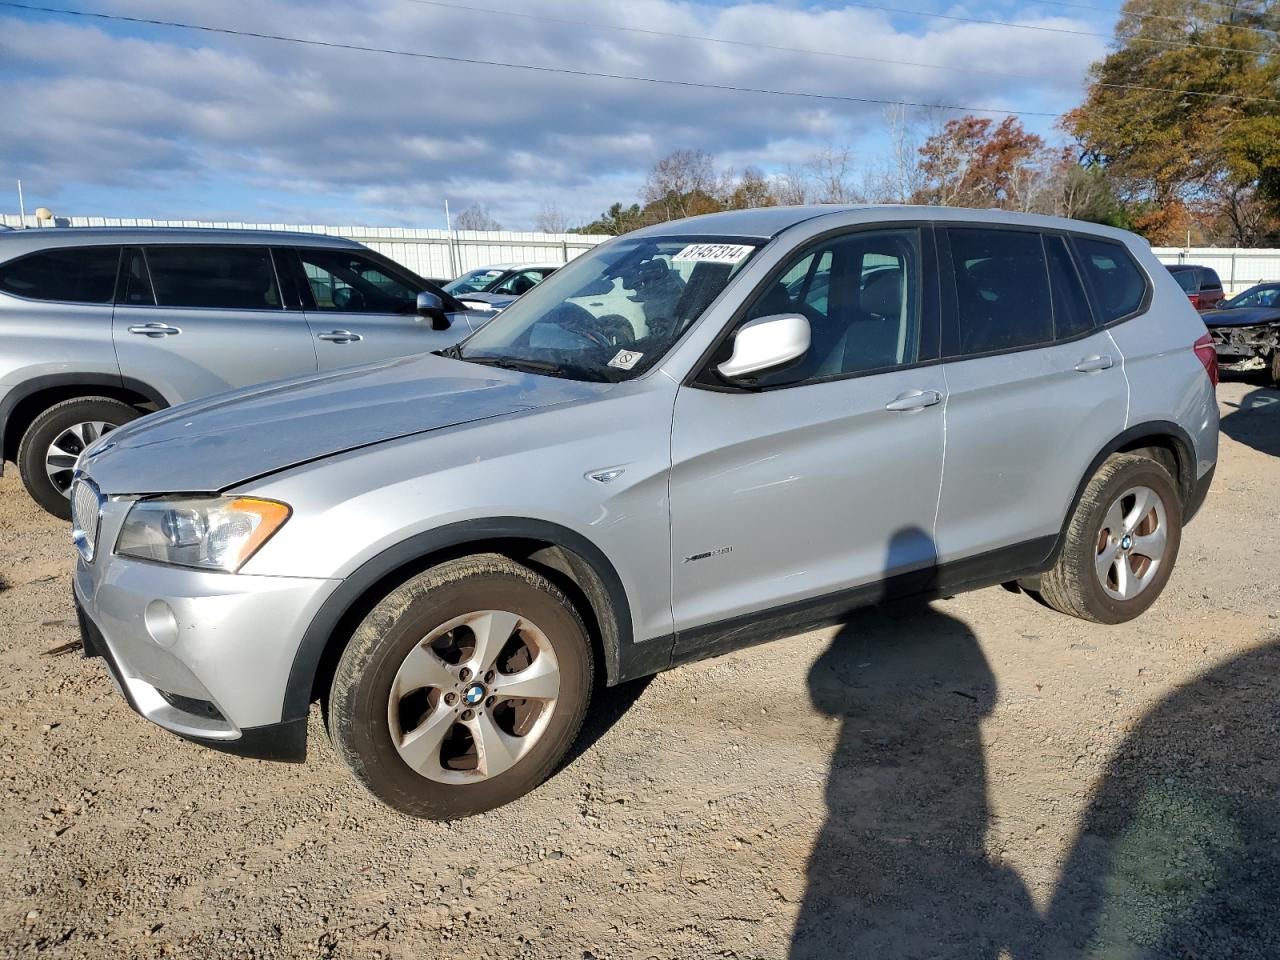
[[161, 623]]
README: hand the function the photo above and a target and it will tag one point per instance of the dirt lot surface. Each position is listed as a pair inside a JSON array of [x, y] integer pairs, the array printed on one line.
[[976, 777]]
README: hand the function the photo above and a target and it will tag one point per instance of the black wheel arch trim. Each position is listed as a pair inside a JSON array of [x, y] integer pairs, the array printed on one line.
[[1192, 488], [52, 381], [616, 638]]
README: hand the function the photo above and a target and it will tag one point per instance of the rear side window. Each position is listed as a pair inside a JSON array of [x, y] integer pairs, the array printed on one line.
[[1071, 314], [233, 278], [1002, 290], [1115, 281], [73, 274]]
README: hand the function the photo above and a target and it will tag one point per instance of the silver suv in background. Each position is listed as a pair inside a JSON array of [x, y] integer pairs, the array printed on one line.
[[98, 326], [696, 436]]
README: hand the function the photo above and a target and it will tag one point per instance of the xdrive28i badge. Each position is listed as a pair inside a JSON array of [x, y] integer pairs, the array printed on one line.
[[717, 552]]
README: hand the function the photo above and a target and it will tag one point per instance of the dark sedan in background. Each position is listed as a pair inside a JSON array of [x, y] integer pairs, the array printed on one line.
[[1248, 326]]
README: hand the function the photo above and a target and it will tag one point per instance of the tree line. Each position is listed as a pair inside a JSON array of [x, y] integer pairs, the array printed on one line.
[[1178, 136]]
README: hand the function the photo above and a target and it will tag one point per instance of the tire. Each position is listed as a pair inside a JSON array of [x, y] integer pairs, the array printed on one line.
[[70, 424], [457, 603], [1085, 580], [1274, 364]]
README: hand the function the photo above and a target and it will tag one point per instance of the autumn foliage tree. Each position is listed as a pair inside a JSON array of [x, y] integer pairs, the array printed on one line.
[[1211, 148], [974, 162]]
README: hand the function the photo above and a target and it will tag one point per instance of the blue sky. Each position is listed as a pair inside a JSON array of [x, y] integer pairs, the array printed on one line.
[[117, 119]]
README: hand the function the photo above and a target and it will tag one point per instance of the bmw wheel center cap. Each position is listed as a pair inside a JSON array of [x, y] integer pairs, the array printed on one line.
[[474, 694]]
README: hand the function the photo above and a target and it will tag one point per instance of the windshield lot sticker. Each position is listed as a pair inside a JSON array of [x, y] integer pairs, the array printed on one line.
[[713, 253], [626, 359]]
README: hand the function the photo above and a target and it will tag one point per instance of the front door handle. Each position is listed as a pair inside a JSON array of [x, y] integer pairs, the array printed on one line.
[[914, 400], [340, 336], [154, 330], [1094, 362]]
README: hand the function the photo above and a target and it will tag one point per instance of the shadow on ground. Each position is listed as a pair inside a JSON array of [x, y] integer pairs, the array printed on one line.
[[1178, 855], [1255, 421]]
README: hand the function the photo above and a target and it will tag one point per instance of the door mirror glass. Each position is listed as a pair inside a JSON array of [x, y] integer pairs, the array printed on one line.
[[766, 344], [431, 307]]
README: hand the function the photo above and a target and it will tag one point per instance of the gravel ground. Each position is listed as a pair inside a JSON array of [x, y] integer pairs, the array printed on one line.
[[976, 777]]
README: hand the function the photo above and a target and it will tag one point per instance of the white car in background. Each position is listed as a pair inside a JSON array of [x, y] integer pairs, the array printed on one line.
[[496, 287]]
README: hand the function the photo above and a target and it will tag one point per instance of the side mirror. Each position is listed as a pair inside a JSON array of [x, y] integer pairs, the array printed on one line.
[[431, 307], [766, 344]]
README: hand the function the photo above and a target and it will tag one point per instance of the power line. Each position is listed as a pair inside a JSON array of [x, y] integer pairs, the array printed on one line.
[[726, 41], [1146, 16], [534, 68]]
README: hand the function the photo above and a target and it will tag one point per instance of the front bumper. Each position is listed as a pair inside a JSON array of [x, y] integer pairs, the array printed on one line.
[[205, 655]]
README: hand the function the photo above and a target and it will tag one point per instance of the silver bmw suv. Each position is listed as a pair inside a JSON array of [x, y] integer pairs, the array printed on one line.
[[99, 326], [698, 436]]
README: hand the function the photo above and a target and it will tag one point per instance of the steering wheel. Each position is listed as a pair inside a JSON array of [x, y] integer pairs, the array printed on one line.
[[348, 298], [610, 330]]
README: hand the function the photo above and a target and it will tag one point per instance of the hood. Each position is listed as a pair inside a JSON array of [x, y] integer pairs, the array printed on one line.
[[1241, 316], [213, 444]]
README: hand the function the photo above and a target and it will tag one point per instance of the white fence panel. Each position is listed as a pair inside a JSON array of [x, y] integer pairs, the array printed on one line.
[[1239, 267], [429, 252]]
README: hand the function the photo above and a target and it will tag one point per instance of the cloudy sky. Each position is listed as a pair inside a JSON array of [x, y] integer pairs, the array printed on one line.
[[124, 119]]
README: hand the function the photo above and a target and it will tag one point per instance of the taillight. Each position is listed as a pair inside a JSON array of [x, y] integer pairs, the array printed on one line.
[[1207, 356], [1195, 299]]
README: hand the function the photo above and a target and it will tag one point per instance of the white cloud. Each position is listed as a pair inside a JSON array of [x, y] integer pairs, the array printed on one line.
[[91, 109]]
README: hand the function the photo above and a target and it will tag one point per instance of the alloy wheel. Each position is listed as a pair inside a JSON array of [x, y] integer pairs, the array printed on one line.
[[60, 458], [1131, 544], [473, 697]]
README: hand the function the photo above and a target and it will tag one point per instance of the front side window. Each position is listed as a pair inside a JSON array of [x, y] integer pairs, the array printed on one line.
[[861, 296], [1002, 290], [225, 277], [519, 283], [71, 274], [475, 281], [613, 313], [1118, 285], [351, 283]]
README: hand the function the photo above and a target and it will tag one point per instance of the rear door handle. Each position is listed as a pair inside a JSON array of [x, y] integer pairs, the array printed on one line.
[[154, 330], [340, 336], [1094, 362], [914, 400]]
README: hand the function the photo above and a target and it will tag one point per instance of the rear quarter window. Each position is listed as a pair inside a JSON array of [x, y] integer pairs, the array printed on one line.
[[1116, 283], [68, 274]]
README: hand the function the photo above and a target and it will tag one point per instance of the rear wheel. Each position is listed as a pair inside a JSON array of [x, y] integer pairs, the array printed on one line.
[[49, 448], [1120, 545], [462, 689]]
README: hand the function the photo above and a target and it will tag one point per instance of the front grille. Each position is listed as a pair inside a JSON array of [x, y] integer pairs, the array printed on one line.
[[86, 514]]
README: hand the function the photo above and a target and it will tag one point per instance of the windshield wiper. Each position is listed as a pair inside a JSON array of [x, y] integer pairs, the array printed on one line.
[[453, 353], [513, 363]]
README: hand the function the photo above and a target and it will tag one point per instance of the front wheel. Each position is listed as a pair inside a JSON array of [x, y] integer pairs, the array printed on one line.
[[1274, 364], [1120, 544], [462, 689], [51, 445]]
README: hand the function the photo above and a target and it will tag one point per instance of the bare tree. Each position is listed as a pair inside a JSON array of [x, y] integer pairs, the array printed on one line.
[[476, 217], [681, 184], [550, 219]]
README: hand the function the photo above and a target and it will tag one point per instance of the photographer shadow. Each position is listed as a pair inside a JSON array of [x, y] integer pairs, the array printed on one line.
[[900, 868]]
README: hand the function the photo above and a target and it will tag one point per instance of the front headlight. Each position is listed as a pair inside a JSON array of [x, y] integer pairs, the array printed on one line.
[[215, 533]]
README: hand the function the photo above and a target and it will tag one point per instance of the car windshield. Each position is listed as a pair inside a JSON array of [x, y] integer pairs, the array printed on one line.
[[474, 281], [1260, 296], [1188, 280], [612, 313]]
